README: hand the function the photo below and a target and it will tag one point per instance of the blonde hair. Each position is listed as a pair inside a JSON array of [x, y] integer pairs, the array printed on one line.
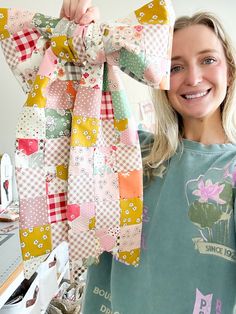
[[169, 127]]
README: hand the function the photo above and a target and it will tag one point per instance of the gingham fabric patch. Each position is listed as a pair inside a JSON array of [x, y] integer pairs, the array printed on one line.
[[57, 205], [31, 182], [25, 42], [107, 111], [59, 232], [57, 151], [104, 217], [11, 54], [81, 189]]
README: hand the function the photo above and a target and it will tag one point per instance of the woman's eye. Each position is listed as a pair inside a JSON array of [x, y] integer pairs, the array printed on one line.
[[209, 60], [176, 68]]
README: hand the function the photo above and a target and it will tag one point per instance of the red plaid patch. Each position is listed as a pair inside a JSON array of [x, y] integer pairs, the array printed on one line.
[[106, 106], [26, 42], [57, 205]]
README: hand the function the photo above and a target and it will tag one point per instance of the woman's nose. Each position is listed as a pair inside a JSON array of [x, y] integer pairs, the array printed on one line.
[[193, 75]]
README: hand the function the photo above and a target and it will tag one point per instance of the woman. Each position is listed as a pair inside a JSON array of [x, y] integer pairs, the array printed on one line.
[[188, 248]]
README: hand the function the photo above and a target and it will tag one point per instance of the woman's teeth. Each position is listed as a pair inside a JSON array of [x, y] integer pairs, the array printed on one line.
[[198, 95]]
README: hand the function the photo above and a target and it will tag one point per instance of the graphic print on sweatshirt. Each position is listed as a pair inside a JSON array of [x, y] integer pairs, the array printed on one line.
[[210, 209]]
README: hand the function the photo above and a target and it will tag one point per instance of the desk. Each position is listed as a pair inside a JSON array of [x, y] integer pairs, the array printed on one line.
[[11, 268]]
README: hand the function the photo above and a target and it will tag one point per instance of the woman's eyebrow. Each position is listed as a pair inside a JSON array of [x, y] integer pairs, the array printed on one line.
[[176, 58]]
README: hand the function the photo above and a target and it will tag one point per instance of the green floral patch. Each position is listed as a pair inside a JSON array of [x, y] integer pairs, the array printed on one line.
[[45, 23], [132, 63], [58, 123], [121, 105]]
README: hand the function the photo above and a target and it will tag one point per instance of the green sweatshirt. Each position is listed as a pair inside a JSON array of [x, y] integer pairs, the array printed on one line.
[[188, 259]]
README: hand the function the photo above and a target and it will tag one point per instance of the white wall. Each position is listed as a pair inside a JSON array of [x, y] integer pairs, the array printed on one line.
[[11, 96]]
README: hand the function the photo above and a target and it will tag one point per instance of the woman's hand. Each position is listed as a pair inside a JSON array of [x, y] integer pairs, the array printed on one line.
[[80, 11]]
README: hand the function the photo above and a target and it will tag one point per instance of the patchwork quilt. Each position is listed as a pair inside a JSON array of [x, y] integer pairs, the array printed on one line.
[[78, 161]]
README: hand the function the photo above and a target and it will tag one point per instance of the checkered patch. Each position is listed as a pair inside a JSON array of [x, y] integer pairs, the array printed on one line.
[[107, 111], [59, 233], [107, 135], [82, 245], [128, 158], [72, 72], [56, 185], [57, 205], [30, 182], [107, 214], [26, 42], [57, 151], [81, 189], [10, 53], [78, 45]]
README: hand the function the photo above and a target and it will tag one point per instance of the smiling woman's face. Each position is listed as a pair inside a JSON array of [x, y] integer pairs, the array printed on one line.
[[199, 76]]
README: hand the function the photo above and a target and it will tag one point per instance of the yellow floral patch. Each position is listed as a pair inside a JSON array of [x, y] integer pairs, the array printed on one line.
[[154, 12], [84, 131], [62, 172], [92, 223], [35, 241], [131, 211], [36, 96], [3, 24], [130, 257], [63, 48], [121, 125]]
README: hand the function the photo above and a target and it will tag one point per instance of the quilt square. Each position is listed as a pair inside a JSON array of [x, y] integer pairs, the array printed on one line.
[[107, 214], [10, 52], [31, 182], [57, 151], [82, 245], [87, 103], [107, 134], [104, 160], [81, 160], [81, 189], [29, 153], [128, 158], [59, 232], [106, 187], [19, 20], [129, 257], [37, 95], [156, 39], [130, 184], [58, 123], [131, 211], [33, 212], [130, 237], [26, 41], [57, 207], [121, 105], [31, 124], [61, 95], [56, 185], [107, 111], [84, 131], [35, 241]]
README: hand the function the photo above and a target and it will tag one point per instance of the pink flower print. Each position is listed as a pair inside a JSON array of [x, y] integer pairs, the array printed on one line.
[[208, 190], [138, 28]]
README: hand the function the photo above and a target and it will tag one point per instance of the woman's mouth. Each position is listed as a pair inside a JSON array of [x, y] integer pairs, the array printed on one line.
[[195, 94]]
